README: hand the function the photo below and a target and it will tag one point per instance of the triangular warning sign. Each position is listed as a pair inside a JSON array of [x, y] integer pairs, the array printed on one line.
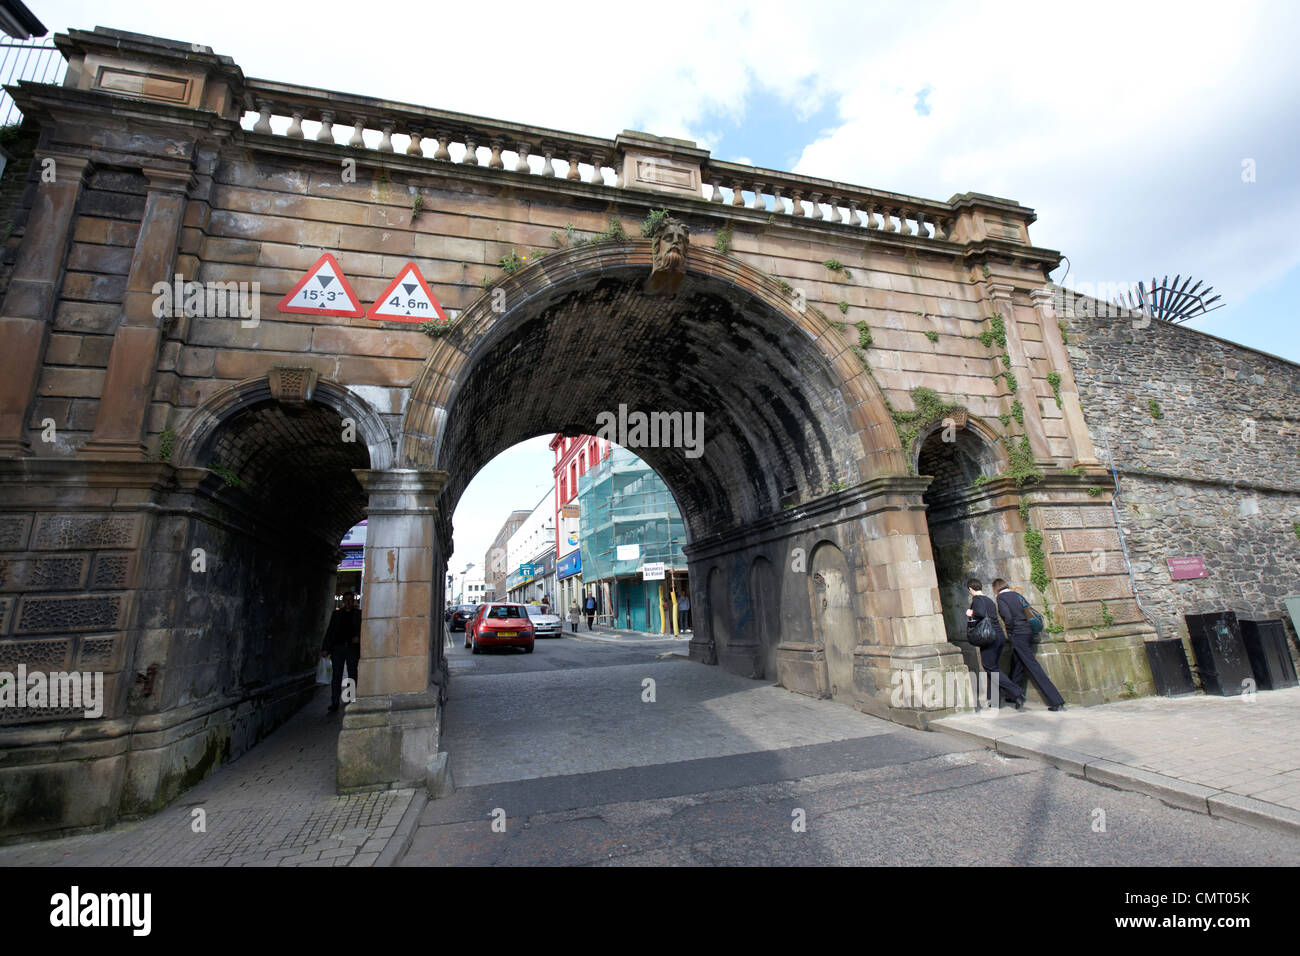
[[324, 290], [407, 299]]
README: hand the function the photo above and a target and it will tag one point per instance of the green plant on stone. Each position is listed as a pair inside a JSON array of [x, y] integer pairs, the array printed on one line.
[[652, 221], [417, 204], [225, 473], [932, 335], [836, 266], [1005, 419], [1020, 463], [1037, 563], [1054, 380], [986, 272], [1065, 338], [166, 441], [1094, 491], [841, 326], [929, 409], [510, 263], [864, 334], [1018, 412], [980, 480], [435, 330], [1107, 619], [844, 307], [1295, 526], [1023, 508], [786, 287], [723, 241], [1154, 408], [996, 332], [838, 485]]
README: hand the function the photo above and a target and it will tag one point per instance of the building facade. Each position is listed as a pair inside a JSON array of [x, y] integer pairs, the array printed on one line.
[[496, 568], [628, 520], [530, 553]]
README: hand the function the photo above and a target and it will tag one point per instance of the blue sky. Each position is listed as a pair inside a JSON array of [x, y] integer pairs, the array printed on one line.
[[1124, 125]]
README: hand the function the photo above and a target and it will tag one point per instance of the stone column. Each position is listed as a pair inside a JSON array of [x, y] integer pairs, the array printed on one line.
[[128, 385], [390, 734], [1080, 438], [33, 292], [1000, 298]]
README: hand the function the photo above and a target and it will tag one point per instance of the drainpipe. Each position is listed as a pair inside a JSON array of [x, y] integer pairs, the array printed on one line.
[[1123, 545]]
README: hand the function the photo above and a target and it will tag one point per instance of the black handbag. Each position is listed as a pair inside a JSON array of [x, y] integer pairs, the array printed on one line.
[[984, 634]]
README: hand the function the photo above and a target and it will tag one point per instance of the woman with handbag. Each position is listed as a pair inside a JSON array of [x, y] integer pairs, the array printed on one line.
[[985, 633], [1012, 608]]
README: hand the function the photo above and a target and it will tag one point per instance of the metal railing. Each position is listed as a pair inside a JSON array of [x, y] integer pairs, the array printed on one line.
[[40, 62]]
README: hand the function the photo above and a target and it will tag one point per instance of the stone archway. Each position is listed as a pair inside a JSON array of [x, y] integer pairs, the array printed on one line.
[[971, 514], [790, 416]]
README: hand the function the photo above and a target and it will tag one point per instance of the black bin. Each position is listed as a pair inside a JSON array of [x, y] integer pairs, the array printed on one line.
[[1267, 651], [1220, 653], [1169, 667]]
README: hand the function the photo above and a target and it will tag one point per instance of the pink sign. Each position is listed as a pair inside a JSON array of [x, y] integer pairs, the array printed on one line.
[[1180, 569]]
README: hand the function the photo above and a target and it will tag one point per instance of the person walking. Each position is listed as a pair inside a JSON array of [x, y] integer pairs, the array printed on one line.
[[573, 615], [981, 608], [590, 607], [342, 644], [1011, 606]]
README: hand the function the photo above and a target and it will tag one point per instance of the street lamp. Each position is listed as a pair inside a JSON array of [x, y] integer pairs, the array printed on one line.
[[462, 582]]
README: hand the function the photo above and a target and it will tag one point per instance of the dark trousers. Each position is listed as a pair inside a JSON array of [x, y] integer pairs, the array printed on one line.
[[591, 616], [349, 654], [1022, 653], [1009, 688]]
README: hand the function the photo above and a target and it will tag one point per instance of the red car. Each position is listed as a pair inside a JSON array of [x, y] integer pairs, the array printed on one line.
[[500, 625]]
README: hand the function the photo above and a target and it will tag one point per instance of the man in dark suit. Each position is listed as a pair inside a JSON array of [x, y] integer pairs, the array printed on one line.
[[981, 607], [342, 645], [1012, 608]]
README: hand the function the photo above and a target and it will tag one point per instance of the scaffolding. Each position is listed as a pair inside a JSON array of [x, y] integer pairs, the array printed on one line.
[[621, 502]]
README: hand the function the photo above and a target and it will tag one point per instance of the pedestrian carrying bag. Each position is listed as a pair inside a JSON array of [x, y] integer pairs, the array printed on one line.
[[324, 671], [983, 634], [1033, 617]]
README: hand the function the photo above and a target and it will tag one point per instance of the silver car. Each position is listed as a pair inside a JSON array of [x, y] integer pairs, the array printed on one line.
[[545, 624]]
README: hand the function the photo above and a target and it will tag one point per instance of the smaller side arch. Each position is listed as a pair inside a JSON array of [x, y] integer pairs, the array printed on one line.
[[201, 422]]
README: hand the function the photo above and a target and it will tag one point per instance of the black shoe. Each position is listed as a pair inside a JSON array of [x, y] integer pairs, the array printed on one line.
[[1060, 706], [1020, 703]]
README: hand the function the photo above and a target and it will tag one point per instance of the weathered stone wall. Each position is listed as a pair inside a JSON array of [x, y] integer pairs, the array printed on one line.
[[1216, 475]]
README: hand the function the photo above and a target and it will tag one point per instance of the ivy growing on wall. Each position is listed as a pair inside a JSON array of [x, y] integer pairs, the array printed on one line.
[[1054, 380], [929, 409]]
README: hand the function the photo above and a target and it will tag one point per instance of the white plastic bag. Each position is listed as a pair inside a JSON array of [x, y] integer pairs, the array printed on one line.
[[324, 671]]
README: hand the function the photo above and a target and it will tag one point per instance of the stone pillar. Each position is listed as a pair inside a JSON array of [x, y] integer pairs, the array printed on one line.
[[390, 734], [33, 292], [128, 384], [1000, 298], [1080, 438], [900, 615]]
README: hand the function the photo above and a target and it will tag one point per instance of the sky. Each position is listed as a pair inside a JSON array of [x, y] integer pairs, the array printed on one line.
[[1129, 127]]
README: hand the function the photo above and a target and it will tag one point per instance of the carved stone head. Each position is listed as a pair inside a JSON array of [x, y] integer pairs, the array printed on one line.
[[668, 256]]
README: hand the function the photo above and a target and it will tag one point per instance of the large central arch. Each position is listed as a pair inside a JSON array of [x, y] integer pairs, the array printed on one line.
[[799, 448]]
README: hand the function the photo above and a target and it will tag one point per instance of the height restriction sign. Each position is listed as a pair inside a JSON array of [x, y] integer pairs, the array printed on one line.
[[324, 290], [408, 299]]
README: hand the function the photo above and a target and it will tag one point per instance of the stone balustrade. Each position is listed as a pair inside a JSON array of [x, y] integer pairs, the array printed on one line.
[[278, 109], [281, 109]]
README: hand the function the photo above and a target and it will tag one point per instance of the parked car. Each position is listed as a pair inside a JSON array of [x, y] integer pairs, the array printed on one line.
[[545, 623], [500, 625], [461, 615]]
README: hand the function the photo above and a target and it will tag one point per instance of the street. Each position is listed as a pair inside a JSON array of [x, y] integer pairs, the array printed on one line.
[[559, 758]]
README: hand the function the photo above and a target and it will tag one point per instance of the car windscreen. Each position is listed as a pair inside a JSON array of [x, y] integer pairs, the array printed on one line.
[[536, 610], [504, 612]]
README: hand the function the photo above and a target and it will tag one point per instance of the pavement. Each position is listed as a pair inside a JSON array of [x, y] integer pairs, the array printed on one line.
[[1232, 757], [273, 806]]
